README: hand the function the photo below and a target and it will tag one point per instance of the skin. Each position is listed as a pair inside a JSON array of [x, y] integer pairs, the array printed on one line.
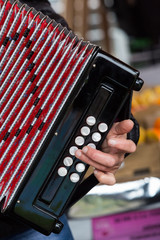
[[107, 162]]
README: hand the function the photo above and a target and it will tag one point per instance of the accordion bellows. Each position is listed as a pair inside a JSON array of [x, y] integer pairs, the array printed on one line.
[[57, 94], [39, 64]]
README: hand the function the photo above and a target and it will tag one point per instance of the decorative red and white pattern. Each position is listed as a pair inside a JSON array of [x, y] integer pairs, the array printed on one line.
[[40, 64]]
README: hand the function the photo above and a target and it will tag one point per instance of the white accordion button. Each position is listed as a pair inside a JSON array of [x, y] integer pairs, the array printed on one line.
[[62, 171], [85, 131], [102, 127], [74, 177], [92, 145], [72, 150], [80, 167], [79, 141], [96, 137], [91, 120], [68, 161]]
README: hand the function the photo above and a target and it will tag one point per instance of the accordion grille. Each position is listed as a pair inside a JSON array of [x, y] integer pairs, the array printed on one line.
[[40, 64]]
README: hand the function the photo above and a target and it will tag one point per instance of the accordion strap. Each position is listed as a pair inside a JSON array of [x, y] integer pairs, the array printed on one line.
[[83, 189]]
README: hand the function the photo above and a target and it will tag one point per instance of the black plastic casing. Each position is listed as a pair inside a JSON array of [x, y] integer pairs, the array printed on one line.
[[102, 91]]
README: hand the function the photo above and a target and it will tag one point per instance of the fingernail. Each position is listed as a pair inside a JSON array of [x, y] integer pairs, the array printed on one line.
[[95, 172], [112, 142], [85, 149], [78, 153]]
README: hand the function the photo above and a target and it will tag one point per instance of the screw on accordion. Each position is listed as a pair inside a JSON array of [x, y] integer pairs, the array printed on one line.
[[57, 93]]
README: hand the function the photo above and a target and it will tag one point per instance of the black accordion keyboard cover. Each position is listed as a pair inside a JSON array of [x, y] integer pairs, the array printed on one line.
[[58, 93]]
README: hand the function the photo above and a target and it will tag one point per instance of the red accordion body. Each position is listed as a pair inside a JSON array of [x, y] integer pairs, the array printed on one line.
[[39, 65]]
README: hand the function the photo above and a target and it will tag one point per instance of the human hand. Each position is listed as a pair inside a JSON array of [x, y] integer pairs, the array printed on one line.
[[114, 147]]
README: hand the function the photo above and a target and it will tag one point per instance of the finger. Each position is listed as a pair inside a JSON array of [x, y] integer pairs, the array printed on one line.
[[80, 155], [96, 158], [122, 127], [119, 130], [123, 145], [107, 178]]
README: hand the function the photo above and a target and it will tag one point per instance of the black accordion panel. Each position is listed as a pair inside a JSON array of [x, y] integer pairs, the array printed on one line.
[[57, 94]]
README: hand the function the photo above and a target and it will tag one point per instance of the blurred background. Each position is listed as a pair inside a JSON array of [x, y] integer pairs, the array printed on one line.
[[129, 30]]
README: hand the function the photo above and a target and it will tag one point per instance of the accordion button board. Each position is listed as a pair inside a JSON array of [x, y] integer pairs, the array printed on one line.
[[58, 93]]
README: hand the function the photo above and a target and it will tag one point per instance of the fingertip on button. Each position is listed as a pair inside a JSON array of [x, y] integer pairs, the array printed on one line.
[[72, 150], [85, 149], [78, 153], [92, 145]]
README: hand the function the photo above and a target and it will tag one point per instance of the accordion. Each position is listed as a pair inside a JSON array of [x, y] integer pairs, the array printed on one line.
[[57, 94]]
